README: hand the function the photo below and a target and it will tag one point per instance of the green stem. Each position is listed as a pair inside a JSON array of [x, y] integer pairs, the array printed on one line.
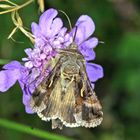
[[28, 130]]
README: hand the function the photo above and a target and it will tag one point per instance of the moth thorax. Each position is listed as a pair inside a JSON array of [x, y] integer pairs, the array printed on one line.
[[71, 69]]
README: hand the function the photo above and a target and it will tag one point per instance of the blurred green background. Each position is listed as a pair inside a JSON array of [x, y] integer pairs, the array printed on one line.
[[118, 26]]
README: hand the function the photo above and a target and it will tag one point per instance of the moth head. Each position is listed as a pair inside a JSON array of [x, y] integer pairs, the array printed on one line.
[[73, 46]]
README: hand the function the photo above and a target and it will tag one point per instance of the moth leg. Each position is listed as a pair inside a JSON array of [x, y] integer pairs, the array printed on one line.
[[84, 86], [83, 76], [52, 78], [84, 82]]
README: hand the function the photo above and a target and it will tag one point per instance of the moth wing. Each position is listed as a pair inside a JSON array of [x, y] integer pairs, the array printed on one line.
[[41, 94], [88, 110]]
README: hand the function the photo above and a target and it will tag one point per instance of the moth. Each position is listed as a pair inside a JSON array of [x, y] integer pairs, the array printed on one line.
[[66, 96]]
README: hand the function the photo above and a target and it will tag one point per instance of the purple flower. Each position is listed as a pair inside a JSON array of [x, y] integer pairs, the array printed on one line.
[[49, 35]]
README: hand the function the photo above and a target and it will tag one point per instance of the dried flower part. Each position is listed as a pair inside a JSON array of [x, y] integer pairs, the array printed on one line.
[[41, 5], [19, 25], [49, 36], [13, 8]]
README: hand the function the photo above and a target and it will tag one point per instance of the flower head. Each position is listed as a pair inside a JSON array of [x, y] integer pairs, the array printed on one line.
[[50, 35]]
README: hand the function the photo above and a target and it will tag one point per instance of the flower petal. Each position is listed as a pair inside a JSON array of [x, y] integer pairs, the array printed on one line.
[[46, 20], [26, 97], [28, 51], [88, 54], [94, 71], [28, 64], [62, 31], [26, 101], [28, 110], [56, 26], [85, 28], [12, 65], [35, 29], [8, 78], [90, 43], [93, 85]]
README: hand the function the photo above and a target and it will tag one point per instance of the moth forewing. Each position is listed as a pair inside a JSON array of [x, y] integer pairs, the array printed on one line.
[[65, 96]]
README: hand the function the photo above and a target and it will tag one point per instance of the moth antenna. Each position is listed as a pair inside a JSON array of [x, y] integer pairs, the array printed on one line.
[[75, 33], [67, 18]]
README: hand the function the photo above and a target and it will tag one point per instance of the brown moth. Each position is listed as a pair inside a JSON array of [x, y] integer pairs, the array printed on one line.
[[66, 96]]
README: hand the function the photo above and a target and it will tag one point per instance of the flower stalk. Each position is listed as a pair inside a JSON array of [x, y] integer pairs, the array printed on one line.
[[15, 7]]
